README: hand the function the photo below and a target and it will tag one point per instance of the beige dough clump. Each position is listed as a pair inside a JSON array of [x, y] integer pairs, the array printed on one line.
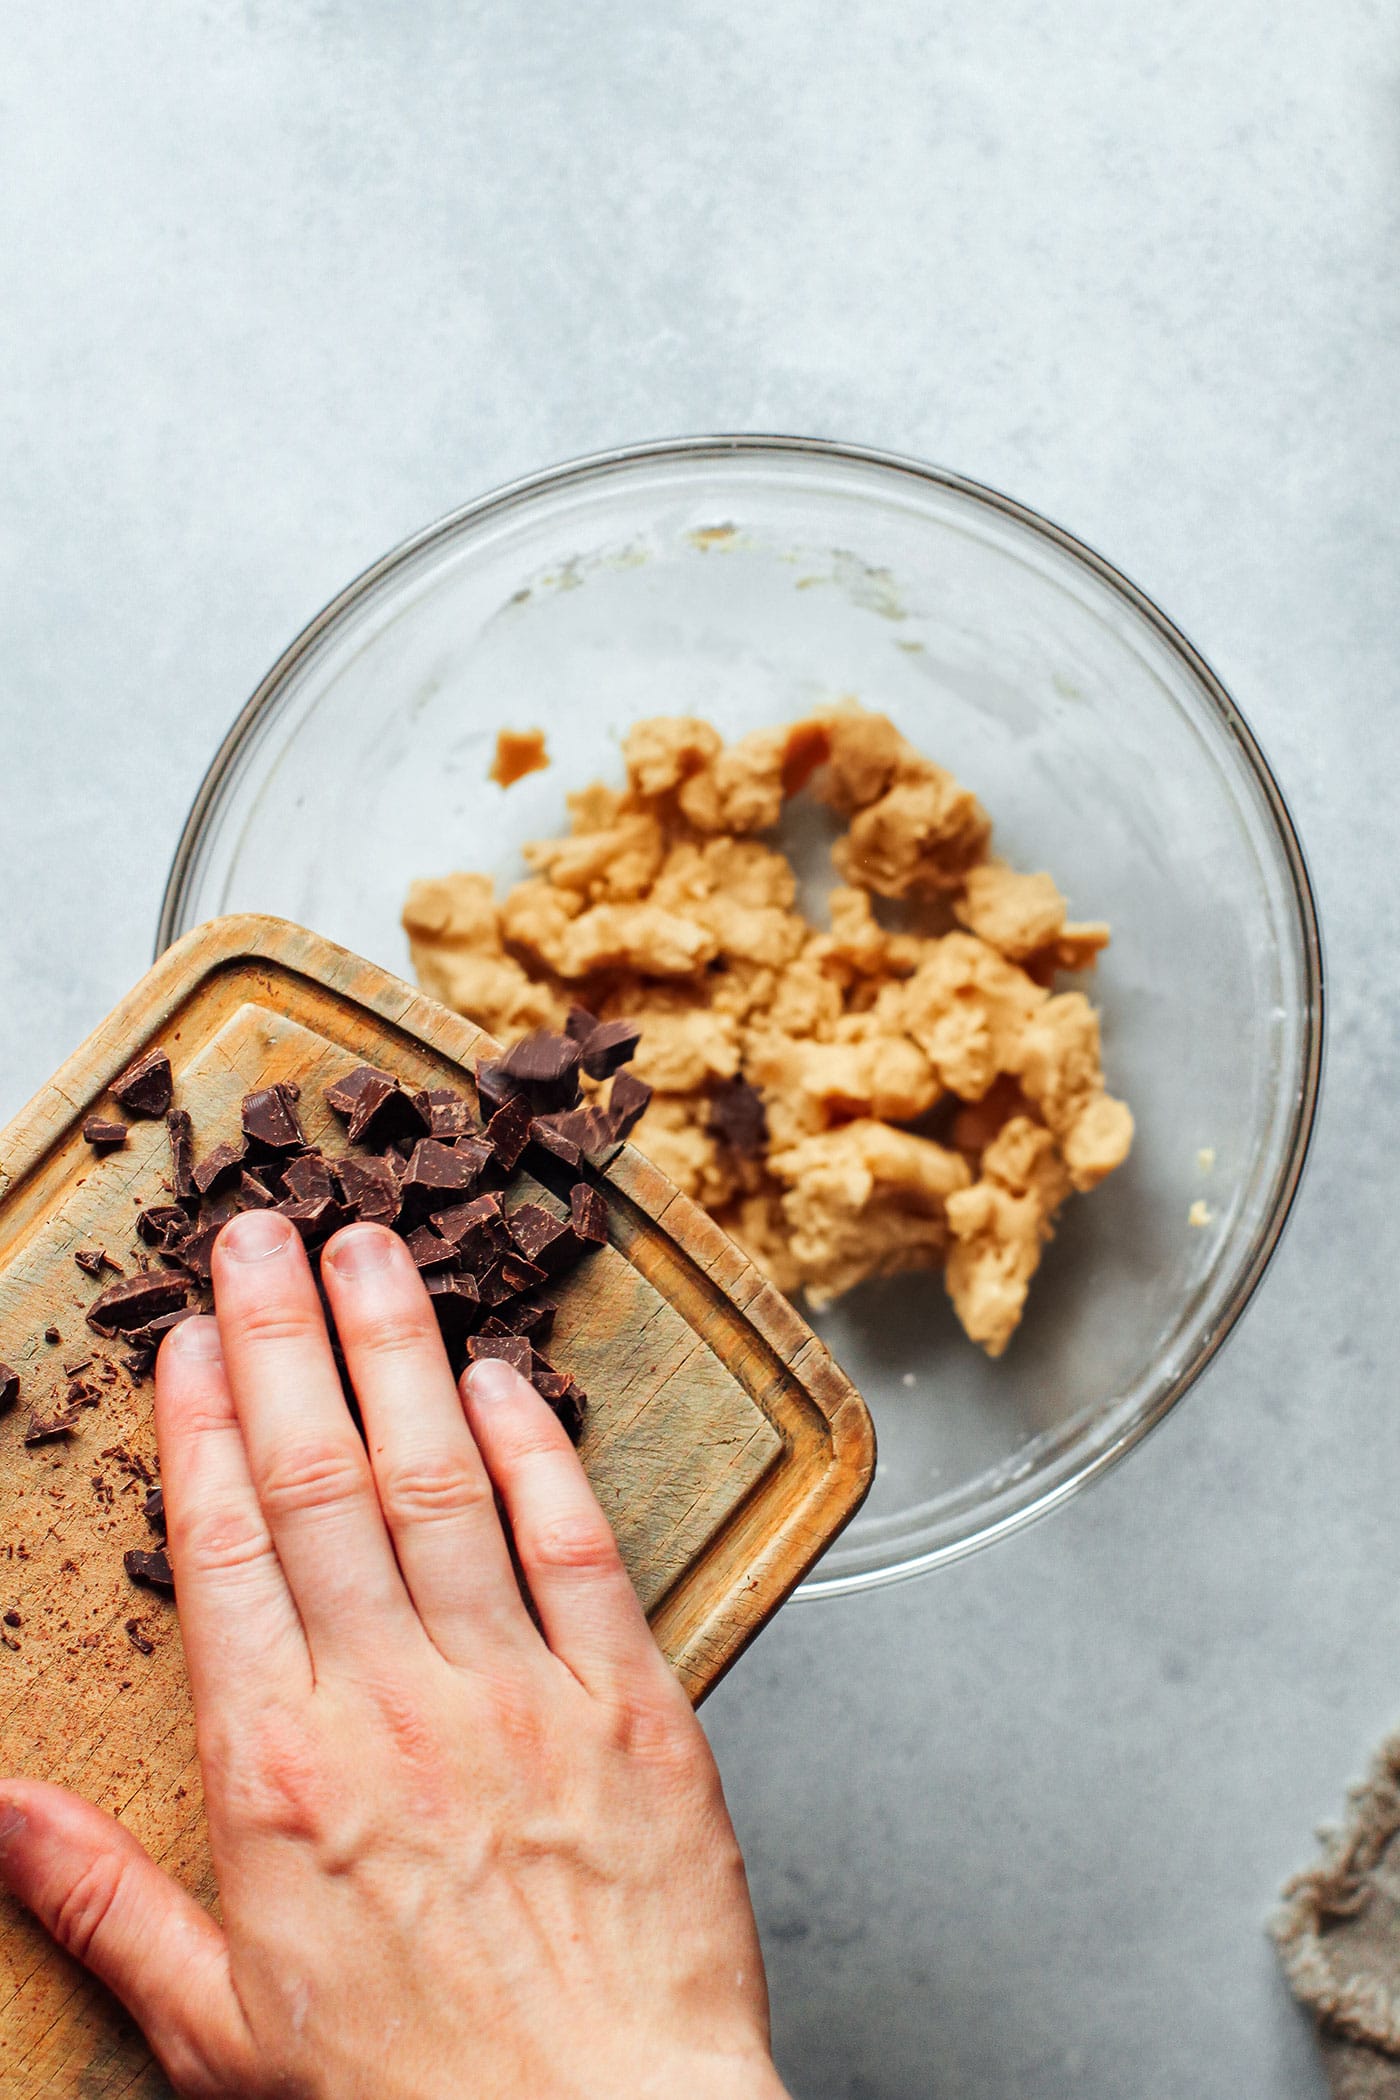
[[928, 1100]]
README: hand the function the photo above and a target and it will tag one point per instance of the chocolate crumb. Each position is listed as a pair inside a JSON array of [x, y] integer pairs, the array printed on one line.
[[738, 1118], [146, 1086], [151, 1570], [138, 1639], [12, 1618], [51, 1334], [93, 1260]]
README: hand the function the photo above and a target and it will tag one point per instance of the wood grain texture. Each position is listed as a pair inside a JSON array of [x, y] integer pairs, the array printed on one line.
[[724, 1443]]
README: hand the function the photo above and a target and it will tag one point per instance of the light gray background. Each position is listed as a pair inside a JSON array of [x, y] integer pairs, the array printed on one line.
[[280, 281]]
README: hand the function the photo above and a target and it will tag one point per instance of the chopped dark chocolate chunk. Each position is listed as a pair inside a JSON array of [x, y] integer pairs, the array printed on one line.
[[507, 1278], [9, 1388], [508, 1132], [74, 1365], [93, 1260], [154, 1332], [370, 1189], [194, 1250], [162, 1224], [138, 1639], [382, 1110], [429, 1250], [475, 1150], [145, 1087], [51, 1334], [153, 1508], [181, 1131], [343, 1094], [440, 1175], [454, 1300], [50, 1431], [738, 1118], [308, 1178], [537, 1233], [543, 1132], [588, 1214], [592, 1129], [580, 1023], [140, 1363], [482, 1214], [104, 1136], [12, 1618], [152, 1570], [627, 1101], [315, 1219], [536, 1320], [564, 1394], [270, 1119], [508, 1348], [252, 1193], [493, 1087], [135, 1301], [609, 1047], [546, 1065], [452, 1114], [219, 1167]]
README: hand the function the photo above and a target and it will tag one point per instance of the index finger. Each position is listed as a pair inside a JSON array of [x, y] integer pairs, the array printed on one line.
[[240, 1628]]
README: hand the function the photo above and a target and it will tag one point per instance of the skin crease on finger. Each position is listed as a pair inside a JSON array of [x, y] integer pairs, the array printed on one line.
[[507, 1874]]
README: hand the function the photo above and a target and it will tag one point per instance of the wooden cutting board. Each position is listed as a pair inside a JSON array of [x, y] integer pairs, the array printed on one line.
[[725, 1445]]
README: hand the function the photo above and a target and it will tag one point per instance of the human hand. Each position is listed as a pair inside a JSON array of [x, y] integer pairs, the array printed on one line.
[[456, 1853]]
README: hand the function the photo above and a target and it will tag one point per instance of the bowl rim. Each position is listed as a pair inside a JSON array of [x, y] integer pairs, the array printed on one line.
[[729, 446]]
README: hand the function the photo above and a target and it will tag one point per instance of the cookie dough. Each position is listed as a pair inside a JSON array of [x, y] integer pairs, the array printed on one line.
[[929, 1100]]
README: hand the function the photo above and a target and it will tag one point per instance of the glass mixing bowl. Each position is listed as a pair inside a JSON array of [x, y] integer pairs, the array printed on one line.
[[747, 580]]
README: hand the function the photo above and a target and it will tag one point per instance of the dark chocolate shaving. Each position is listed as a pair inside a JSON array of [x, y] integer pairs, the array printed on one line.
[[138, 1639], [52, 1430], [134, 1302], [162, 1224], [93, 1260], [181, 1131], [145, 1087], [153, 1509], [104, 1136], [9, 1388]]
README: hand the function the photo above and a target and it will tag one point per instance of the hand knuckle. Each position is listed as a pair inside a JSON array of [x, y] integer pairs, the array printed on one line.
[[402, 1332], [433, 1485], [309, 1477], [226, 1542], [87, 1904], [270, 1322], [577, 1539]]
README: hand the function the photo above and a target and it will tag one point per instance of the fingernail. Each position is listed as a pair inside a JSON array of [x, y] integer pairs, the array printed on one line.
[[13, 1823], [198, 1337], [255, 1235], [359, 1249], [493, 1382]]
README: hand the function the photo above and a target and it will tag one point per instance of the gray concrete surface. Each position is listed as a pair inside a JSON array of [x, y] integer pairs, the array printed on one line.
[[279, 282]]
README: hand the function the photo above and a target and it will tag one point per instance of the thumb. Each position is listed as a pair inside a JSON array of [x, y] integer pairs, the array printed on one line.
[[108, 1904]]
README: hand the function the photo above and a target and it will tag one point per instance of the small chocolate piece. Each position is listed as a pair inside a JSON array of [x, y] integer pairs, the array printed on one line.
[[580, 1024], [73, 1365], [104, 1136], [588, 1214], [252, 1193], [508, 1348], [194, 1250], [564, 1394], [343, 1094], [308, 1177], [219, 1167], [536, 1320], [135, 1301], [12, 1618], [9, 1388], [162, 1224], [181, 1131], [429, 1250], [145, 1087], [140, 1363], [592, 1129], [51, 1334], [537, 1234], [454, 1300], [271, 1121], [51, 1431], [543, 1133], [383, 1111], [153, 1509], [152, 1571], [93, 1260], [452, 1115], [154, 1332], [315, 1219], [508, 1278], [609, 1047], [475, 1150], [369, 1189], [627, 1101], [546, 1065], [138, 1639], [738, 1118], [440, 1175], [508, 1132], [463, 1220], [493, 1088]]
